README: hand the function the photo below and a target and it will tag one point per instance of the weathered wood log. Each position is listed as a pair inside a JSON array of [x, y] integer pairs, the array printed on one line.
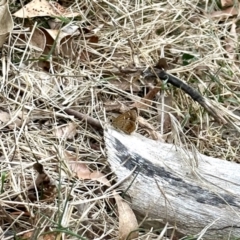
[[191, 191]]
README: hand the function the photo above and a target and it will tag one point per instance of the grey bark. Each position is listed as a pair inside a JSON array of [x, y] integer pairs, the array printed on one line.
[[195, 192]]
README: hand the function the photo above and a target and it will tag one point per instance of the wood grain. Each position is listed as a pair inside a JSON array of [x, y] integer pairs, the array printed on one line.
[[168, 183]]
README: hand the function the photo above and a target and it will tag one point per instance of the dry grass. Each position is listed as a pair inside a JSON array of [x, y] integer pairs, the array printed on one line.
[[37, 99]]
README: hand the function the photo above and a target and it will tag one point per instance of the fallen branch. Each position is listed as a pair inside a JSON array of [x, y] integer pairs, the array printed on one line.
[[189, 191], [91, 121]]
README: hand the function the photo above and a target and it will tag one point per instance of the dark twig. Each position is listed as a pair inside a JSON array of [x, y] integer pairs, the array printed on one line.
[[195, 95]]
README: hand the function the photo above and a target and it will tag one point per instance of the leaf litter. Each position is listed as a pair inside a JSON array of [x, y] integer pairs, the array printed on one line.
[[56, 83]]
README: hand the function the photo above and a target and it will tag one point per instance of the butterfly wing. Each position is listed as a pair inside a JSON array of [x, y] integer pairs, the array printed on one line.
[[126, 122]]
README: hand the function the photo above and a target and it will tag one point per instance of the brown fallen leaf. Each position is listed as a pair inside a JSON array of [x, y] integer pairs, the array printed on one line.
[[6, 21], [154, 135], [81, 170], [127, 220], [40, 8], [144, 123], [96, 175], [85, 55], [146, 101], [227, 3], [30, 235]]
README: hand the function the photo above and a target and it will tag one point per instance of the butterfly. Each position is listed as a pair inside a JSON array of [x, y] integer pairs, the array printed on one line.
[[127, 121]]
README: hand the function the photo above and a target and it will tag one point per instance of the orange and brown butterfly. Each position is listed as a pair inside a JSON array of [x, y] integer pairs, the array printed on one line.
[[127, 121]]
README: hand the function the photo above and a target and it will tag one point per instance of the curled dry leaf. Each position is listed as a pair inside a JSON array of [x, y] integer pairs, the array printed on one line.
[[37, 41], [127, 220], [67, 131], [40, 8]]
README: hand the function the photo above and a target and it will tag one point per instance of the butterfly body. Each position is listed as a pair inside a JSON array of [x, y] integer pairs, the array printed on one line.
[[127, 121]]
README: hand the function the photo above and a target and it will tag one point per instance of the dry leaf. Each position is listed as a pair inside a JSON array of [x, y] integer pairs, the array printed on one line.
[[226, 3], [70, 156], [144, 123], [85, 55], [30, 235], [12, 120], [82, 172], [80, 169], [40, 8], [127, 220], [67, 47], [154, 135], [4, 117], [65, 44], [229, 12], [146, 102], [67, 131], [38, 40], [96, 175], [6, 22]]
